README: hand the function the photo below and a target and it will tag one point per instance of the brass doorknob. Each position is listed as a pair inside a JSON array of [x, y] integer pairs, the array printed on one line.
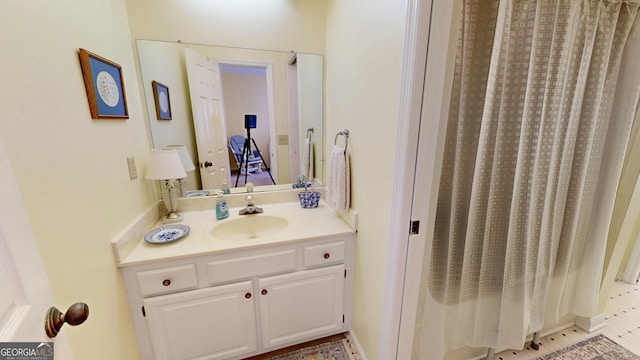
[[76, 314]]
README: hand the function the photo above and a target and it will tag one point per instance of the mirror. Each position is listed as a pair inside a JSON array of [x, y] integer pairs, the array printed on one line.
[[284, 90]]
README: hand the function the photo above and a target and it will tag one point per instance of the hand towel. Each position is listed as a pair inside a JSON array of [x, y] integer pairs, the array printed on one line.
[[307, 159], [339, 179]]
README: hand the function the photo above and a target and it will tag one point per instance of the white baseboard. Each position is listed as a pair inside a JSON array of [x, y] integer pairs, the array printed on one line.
[[591, 324], [356, 343]]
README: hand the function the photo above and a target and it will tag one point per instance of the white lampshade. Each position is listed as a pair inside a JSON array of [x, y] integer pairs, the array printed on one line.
[[165, 165], [187, 163]]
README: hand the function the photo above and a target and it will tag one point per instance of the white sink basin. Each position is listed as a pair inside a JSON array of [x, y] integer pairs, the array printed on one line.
[[249, 227]]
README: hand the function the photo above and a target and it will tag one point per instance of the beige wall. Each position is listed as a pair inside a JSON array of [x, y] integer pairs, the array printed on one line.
[[72, 170], [363, 59], [283, 25]]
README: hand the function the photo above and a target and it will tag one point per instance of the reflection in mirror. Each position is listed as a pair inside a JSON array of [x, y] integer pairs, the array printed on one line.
[[284, 91]]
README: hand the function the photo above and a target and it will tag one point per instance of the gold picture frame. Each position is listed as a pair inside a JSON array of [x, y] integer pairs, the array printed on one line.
[[162, 100], [104, 85]]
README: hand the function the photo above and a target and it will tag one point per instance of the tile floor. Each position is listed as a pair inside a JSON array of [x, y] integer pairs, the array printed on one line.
[[623, 326]]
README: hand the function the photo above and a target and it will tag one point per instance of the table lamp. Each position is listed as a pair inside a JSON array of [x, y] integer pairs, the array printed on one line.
[[166, 166], [187, 163]]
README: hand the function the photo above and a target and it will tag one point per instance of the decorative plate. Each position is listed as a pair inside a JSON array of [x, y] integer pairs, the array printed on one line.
[[166, 234]]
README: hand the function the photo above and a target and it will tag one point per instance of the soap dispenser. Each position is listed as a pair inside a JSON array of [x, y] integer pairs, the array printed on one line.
[[225, 187], [222, 210]]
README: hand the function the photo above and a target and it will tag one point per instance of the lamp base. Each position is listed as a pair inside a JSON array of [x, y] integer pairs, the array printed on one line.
[[171, 218]]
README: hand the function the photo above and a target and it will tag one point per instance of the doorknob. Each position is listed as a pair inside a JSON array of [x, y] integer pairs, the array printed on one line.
[[76, 314], [206, 164]]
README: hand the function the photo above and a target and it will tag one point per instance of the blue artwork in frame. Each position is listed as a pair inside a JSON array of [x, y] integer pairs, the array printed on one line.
[[104, 85], [162, 101]]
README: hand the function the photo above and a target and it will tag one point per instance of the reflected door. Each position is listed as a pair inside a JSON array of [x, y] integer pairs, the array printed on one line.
[[208, 118]]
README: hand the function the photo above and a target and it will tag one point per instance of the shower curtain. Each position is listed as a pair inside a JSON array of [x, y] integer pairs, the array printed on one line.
[[537, 132]]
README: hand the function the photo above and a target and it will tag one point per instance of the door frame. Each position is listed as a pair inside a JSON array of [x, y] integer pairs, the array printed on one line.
[[420, 140], [273, 142]]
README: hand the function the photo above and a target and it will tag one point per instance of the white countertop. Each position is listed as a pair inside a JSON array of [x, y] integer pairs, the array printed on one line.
[[303, 224]]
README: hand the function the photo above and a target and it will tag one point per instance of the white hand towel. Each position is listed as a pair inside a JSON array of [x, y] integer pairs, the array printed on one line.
[[339, 179], [311, 162]]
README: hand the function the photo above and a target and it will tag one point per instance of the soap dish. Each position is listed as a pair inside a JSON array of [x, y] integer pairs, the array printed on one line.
[[195, 193], [166, 234]]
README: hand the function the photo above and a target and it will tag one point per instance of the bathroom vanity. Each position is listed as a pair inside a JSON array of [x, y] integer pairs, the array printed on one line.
[[211, 295]]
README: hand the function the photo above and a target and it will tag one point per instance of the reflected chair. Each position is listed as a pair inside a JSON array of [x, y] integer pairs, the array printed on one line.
[[253, 162]]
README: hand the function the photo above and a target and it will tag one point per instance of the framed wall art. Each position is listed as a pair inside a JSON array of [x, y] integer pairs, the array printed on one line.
[[161, 98], [104, 85]]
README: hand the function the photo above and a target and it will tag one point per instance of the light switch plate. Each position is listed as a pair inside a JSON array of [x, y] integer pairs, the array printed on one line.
[[283, 139], [133, 172]]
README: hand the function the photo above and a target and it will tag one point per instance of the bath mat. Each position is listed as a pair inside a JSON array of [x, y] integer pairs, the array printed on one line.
[[596, 348], [333, 350]]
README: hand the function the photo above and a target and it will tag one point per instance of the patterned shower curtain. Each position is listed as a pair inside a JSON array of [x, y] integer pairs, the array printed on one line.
[[533, 154]]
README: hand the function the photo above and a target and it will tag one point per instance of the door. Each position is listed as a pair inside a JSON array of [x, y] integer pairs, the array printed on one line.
[[208, 118], [26, 294], [211, 323], [298, 306]]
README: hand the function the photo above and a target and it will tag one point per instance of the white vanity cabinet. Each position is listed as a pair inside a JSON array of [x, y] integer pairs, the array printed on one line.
[[301, 305], [214, 323], [239, 303]]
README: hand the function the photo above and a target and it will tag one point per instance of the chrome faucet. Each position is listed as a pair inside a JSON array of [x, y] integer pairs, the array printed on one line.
[[250, 208]]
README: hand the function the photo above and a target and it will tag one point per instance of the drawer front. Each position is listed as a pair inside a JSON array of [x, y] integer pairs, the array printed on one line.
[[167, 280], [324, 254], [248, 266]]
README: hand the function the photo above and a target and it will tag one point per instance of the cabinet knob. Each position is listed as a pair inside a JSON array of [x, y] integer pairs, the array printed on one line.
[[247, 296], [166, 282], [264, 292], [327, 255]]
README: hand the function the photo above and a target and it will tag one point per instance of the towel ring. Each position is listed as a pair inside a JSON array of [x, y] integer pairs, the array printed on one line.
[[344, 133]]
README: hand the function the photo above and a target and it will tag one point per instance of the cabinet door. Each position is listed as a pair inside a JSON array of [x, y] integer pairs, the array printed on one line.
[[211, 323], [302, 305]]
